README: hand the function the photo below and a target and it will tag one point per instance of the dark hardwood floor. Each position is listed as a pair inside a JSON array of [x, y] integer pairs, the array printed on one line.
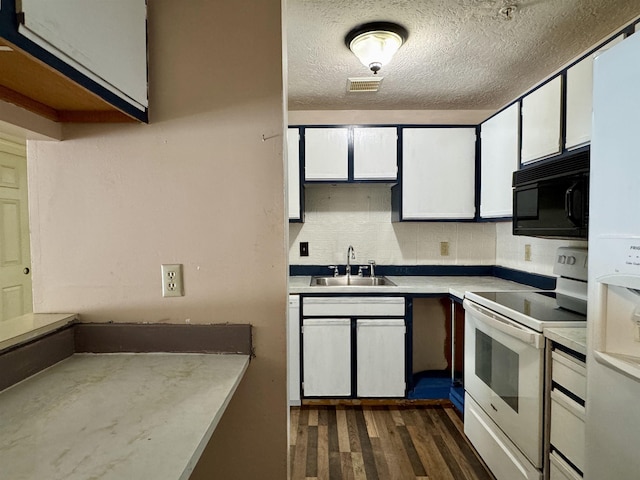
[[381, 443]]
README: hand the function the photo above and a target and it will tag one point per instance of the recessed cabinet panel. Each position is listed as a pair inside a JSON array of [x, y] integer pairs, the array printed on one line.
[[326, 153], [498, 160], [375, 153], [293, 168], [380, 358], [541, 113], [104, 40], [579, 99], [438, 173], [326, 344]]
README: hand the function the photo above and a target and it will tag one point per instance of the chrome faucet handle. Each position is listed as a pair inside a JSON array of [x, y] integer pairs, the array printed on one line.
[[372, 264], [361, 268], [335, 270]]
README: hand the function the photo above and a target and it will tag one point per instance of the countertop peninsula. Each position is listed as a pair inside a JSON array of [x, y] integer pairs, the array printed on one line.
[[115, 416]]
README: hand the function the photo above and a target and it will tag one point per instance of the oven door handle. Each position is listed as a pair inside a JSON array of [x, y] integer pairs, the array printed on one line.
[[505, 325]]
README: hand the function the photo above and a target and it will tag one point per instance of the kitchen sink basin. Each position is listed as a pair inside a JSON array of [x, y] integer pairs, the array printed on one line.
[[351, 281]]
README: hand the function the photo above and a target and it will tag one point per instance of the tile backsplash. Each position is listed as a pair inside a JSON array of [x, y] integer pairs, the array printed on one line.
[[510, 250], [337, 216]]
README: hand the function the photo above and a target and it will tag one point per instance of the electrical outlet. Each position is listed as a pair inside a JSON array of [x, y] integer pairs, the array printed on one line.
[[172, 285], [304, 249], [444, 249], [527, 253]]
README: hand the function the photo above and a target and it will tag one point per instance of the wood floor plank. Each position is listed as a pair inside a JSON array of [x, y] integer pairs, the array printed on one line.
[[294, 416], [312, 452], [335, 466], [300, 465], [381, 461], [409, 447], [371, 422], [449, 458], [365, 445], [332, 425], [323, 452], [323, 416], [431, 459], [357, 463], [352, 428], [343, 430], [396, 415], [313, 417], [347, 466], [397, 459]]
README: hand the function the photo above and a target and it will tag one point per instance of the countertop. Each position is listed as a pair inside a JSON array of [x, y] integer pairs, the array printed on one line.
[[454, 285], [115, 416], [572, 338], [26, 327]]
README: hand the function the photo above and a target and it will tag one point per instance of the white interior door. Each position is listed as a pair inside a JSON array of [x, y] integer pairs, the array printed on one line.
[[15, 258]]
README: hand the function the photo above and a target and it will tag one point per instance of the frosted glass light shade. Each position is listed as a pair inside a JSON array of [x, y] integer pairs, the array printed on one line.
[[375, 43]]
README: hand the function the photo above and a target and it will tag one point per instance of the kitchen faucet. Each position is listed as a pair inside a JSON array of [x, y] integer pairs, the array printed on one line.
[[351, 254]]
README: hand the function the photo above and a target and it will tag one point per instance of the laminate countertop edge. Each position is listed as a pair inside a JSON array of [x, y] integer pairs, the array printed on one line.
[[115, 416]]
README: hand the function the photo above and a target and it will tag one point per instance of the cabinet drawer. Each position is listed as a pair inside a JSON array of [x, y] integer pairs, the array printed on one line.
[[567, 428], [353, 306], [570, 373], [561, 470]]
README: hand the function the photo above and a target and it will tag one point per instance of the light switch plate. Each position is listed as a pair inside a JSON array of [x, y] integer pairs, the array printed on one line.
[[172, 285]]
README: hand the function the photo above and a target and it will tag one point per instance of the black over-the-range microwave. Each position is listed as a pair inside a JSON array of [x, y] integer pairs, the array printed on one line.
[[551, 199]]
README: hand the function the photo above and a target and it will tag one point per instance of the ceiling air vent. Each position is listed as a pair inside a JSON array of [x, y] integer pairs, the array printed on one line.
[[366, 84]]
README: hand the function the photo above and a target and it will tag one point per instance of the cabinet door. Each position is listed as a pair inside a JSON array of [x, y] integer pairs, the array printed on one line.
[[293, 166], [541, 122], [375, 153], [579, 99], [326, 154], [293, 350], [438, 173], [326, 350], [107, 41], [498, 160], [380, 358]]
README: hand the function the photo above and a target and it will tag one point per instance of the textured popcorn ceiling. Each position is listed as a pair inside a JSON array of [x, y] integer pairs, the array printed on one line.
[[461, 54]]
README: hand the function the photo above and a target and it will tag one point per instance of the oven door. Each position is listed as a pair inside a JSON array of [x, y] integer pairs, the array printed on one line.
[[504, 366]]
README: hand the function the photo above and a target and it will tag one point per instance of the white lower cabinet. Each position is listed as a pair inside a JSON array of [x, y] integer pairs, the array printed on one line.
[[326, 344], [332, 325], [380, 358]]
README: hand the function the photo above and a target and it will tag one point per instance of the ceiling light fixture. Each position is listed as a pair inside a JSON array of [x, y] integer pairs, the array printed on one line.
[[375, 43]]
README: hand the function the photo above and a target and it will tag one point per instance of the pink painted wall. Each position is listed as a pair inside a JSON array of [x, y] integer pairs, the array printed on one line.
[[196, 186]]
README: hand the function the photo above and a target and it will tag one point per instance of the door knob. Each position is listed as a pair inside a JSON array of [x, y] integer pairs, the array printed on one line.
[[26, 270]]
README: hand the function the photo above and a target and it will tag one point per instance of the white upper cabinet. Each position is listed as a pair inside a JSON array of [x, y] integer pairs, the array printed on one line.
[[106, 41], [375, 153], [498, 160], [438, 173], [326, 154], [579, 99], [293, 167], [541, 114]]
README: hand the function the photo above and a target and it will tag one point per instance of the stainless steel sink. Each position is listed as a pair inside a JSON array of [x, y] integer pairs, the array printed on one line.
[[351, 281]]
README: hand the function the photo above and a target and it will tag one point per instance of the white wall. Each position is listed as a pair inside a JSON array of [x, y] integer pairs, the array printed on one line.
[[360, 215]]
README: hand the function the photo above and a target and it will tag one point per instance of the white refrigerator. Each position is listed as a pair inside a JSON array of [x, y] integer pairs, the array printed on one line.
[[612, 430]]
